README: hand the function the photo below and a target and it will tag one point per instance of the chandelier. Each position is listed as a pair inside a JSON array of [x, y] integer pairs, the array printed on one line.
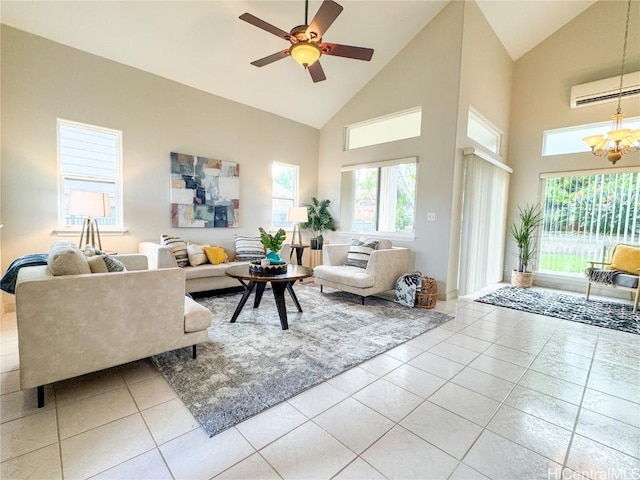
[[618, 141]]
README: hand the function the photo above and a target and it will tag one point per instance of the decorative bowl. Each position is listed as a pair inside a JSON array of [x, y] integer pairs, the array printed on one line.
[[274, 269]]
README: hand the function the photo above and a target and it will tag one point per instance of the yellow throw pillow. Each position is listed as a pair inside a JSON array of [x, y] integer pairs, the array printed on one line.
[[216, 255], [626, 258]]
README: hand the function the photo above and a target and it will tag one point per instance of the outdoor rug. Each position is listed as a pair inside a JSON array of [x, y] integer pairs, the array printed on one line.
[[251, 365], [617, 316]]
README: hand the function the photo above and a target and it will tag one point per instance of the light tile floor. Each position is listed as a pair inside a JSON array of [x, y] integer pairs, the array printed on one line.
[[494, 393]]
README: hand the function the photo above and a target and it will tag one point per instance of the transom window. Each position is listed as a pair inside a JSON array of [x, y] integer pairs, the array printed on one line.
[[569, 139], [379, 197], [90, 160], [284, 193], [389, 128], [483, 132]]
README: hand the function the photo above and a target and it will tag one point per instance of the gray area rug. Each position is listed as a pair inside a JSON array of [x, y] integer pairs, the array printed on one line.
[[253, 364], [617, 316]]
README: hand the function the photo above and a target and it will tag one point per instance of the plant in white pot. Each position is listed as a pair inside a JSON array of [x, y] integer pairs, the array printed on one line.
[[523, 231]]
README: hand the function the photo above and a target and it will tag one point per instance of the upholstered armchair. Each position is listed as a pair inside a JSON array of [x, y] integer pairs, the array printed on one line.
[[622, 272], [382, 270]]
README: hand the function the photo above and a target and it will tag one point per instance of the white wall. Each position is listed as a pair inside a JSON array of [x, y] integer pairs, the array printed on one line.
[[587, 49], [446, 67], [43, 80], [485, 83], [425, 73]]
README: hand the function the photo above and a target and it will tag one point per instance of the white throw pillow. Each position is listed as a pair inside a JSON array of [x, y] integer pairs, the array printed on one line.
[[196, 254], [383, 243], [67, 259]]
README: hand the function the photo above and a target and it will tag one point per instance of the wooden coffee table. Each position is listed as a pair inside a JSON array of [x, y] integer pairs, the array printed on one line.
[[279, 283]]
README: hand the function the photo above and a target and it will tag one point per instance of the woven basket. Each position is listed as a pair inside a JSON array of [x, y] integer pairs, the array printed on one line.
[[428, 295]]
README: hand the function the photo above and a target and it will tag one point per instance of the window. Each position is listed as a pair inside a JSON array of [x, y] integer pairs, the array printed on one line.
[[397, 126], [585, 215], [90, 159], [483, 132], [379, 197], [569, 139], [284, 193]]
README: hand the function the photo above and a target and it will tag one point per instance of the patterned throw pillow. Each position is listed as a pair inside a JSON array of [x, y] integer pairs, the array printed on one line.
[[359, 253], [112, 263], [406, 288], [196, 254], [249, 248], [216, 255], [178, 247]]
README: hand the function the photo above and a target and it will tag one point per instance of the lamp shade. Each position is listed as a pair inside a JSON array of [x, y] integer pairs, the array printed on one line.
[[91, 204], [305, 53], [297, 215]]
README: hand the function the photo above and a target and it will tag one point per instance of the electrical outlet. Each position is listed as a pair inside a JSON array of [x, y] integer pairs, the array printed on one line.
[[431, 216]]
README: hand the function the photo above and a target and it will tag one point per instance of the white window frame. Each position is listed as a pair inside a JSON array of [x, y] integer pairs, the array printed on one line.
[[347, 214], [476, 117], [387, 128], [118, 226], [602, 239], [296, 192]]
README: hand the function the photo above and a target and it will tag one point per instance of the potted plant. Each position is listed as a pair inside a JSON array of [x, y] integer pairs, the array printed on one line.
[[523, 232], [320, 219], [273, 244]]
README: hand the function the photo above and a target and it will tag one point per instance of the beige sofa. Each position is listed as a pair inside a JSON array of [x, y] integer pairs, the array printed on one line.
[[384, 267], [70, 325], [202, 278]]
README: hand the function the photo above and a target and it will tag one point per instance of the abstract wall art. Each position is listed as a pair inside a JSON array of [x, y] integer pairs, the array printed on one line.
[[204, 192]]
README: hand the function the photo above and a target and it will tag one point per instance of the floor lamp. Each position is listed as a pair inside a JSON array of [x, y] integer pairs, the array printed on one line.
[[91, 204], [297, 215]]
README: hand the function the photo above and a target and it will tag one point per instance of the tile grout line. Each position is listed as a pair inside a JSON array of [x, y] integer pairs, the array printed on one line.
[[502, 403]]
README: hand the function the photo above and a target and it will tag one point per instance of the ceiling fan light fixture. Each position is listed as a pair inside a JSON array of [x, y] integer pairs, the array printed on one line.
[[305, 53]]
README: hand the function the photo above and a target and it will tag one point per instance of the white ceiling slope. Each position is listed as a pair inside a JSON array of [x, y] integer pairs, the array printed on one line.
[[204, 45]]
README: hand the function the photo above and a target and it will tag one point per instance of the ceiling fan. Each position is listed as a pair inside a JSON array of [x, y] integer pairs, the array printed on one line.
[[306, 40]]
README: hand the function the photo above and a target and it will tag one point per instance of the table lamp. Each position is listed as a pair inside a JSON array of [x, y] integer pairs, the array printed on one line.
[[297, 215], [91, 204]]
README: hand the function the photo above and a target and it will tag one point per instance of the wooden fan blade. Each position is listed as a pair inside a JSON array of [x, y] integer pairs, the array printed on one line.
[[316, 72], [347, 51], [271, 58], [326, 15], [256, 22]]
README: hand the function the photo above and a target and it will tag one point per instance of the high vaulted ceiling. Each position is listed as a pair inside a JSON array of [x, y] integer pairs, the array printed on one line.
[[204, 45]]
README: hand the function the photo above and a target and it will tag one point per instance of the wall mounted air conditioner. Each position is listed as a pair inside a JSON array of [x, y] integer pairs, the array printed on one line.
[[606, 90]]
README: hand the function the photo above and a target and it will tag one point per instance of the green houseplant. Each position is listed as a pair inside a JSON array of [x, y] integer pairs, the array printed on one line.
[[273, 244], [320, 219], [523, 231]]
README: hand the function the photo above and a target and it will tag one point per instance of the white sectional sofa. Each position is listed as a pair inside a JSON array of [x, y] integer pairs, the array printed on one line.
[[202, 278], [73, 324]]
